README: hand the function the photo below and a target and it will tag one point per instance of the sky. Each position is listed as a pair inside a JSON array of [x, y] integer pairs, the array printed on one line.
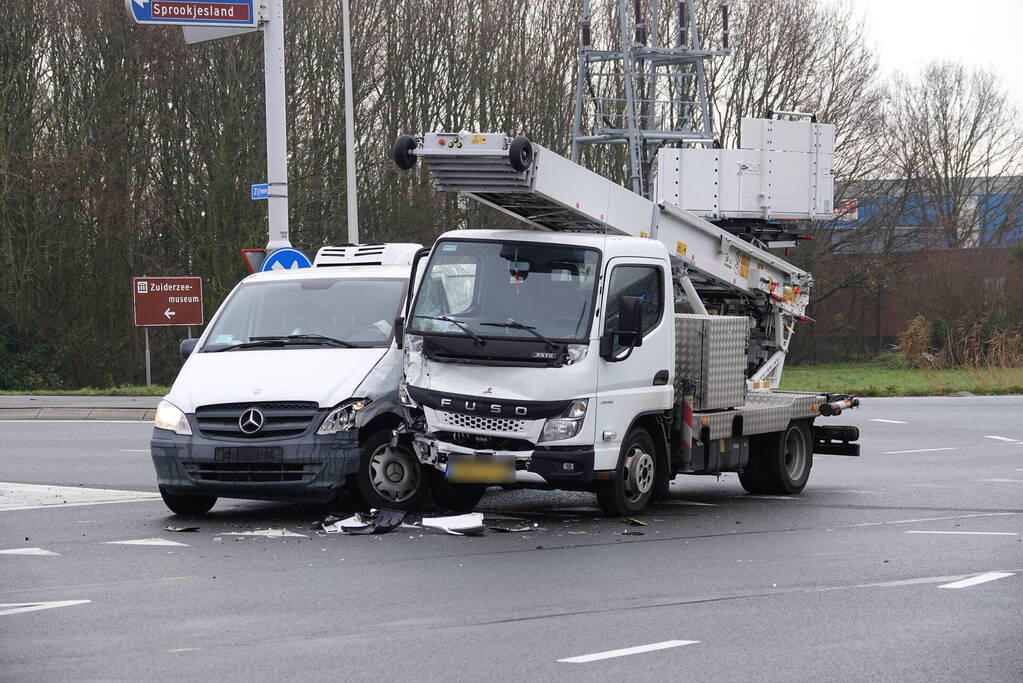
[[986, 33]]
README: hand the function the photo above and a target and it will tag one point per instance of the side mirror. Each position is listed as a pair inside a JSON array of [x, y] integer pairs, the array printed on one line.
[[399, 331], [186, 348], [630, 319]]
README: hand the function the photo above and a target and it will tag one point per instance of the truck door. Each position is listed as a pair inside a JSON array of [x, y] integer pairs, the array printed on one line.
[[641, 383]]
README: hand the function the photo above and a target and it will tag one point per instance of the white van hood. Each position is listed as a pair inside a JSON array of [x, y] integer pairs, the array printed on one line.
[[327, 376]]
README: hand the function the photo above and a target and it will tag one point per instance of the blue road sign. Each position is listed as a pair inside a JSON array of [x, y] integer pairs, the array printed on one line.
[[285, 258], [261, 191], [194, 12]]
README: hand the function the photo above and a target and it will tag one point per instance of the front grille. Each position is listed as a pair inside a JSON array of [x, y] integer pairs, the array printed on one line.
[[251, 472], [486, 424], [280, 419]]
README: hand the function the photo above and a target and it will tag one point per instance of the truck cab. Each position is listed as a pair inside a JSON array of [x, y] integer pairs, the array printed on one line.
[[291, 392]]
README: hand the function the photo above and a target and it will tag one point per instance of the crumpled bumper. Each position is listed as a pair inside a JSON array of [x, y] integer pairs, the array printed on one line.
[[309, 468]]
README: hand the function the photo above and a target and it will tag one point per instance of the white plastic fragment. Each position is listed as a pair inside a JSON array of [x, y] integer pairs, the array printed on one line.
[[272, 533], [457, 525]]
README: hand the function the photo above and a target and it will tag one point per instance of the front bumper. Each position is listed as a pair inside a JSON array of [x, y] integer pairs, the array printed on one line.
[[307, 468], [566, 467]]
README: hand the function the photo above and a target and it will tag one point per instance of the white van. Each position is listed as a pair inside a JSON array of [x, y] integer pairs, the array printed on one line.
[[291, 392]]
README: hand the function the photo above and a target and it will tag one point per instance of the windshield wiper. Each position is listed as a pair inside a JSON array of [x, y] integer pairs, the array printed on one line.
[[515, 324], [480, 341], [285, 339]]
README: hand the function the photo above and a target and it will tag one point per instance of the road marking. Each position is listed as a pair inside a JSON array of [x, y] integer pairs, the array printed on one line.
[[180, 649], [639, 649], [1000, 438], [147, 541], [27, 551], [19, 607], [919, 450], [975, 580], [15, 496], [1002, 481], [967, 533], [936, 519], [894, 422], [133, 450], [688, 502], [771, 497]]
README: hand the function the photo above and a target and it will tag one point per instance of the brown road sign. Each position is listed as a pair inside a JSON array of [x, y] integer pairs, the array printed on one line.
[[162, 301]]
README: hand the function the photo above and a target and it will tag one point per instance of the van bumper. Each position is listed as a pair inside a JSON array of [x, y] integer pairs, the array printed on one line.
[[309, 468]]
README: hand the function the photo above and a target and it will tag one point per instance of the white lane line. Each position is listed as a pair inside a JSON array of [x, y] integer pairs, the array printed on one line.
[[894, 422], [967, 533], [133, 450], [19, 607], [147, 541], [935, 519], [770, 497], [1002, 481], [14, 496], [639, 649], [688, 502], [1000, 438], [918, 450], [27, 551], [974, 580]]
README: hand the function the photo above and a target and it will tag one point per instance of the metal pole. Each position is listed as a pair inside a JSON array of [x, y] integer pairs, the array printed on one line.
[[350, 180], [276, 125], [149, 377]]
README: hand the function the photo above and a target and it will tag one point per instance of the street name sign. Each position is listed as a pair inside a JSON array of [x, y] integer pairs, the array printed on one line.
[[261, 191], [160, 301], [237, 13], [286, 258]]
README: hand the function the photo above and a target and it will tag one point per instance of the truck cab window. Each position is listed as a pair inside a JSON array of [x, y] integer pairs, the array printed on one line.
[[646, 282]]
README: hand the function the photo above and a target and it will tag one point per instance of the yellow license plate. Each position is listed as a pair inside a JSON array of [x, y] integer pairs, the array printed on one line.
[[481, 471]]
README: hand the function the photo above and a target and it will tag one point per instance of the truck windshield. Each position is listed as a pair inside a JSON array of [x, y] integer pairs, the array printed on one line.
[[507, 290], [320, 312]]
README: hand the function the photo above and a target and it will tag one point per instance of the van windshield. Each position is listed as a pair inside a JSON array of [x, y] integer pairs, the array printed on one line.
[[520, 290], [320, 312]]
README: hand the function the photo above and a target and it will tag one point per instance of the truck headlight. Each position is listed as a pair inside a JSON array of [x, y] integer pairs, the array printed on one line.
[[568, 424], [404, 397], [576, 352], [170, 417], [414, 343], [342, 418]]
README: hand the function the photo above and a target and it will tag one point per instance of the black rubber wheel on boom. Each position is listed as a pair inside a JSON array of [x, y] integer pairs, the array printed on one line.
[[454, 497], [187, 504], [783, 459], [633, 486], [403, 155], [520, 153]]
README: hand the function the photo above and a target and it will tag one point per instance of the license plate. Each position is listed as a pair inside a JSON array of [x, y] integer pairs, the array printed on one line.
[[463, 471], [255, 454]]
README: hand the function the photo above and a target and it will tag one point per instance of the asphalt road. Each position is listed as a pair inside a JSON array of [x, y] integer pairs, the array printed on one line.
[[905, 564]]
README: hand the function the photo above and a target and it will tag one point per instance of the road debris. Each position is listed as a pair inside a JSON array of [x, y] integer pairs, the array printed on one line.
[[373, 522], [458, 525], [508, 525], [632, 521], [182, 528], [270, 533], [630, 532]]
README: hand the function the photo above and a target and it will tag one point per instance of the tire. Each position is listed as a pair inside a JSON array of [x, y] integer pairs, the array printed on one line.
[[403, 155], [750, 478], [187, 504], [389, 477], [635, 478], [783, 460], [520, 153], [455, 497]]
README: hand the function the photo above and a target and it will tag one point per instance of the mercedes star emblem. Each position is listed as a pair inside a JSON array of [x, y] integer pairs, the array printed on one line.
[[251, 421]]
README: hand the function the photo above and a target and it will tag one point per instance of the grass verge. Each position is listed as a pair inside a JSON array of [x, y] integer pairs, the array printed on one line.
[[874, 379], [123, 390]]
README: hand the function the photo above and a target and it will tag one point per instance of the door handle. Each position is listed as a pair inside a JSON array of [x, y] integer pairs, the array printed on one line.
[[661, 378]]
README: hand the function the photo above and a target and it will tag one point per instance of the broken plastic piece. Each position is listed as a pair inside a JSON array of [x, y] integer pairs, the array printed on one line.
[[272, 533], [377, 522], [635, 522], [457, 525], [337, 525], [630, 532], [507, 525], [182, 528]]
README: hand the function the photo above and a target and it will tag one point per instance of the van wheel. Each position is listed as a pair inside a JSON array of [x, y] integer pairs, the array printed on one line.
[[187, 504], [454, 497], [783, 460], [633, 486], [389, 477]]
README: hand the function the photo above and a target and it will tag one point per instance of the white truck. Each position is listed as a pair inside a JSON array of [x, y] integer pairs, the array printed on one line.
[[291, 393], [621, 341]]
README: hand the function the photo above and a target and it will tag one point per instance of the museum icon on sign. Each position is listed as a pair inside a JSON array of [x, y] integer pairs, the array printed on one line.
[[143, 286]]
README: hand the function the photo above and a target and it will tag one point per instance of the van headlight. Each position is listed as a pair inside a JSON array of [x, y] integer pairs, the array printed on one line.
[[170, 417], [342, 418], [566, 425]]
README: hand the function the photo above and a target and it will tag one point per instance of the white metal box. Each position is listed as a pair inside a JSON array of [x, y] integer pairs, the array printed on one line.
[[711, 349]]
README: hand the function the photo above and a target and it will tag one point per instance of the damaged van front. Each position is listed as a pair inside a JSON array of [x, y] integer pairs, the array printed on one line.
[[291, 395]]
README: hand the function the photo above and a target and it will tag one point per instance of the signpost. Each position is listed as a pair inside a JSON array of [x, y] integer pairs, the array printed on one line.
[[285, 259], [165, 301]]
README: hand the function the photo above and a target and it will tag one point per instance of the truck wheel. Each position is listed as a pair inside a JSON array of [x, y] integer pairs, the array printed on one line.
[[187, 504], [784, 459], [403, 155], [633, 486], [389, 477], [520, 153], [454, 497], [750, 479]]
